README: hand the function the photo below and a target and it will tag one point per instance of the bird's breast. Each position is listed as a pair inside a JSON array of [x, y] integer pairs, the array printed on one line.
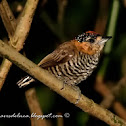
[[76, 69]]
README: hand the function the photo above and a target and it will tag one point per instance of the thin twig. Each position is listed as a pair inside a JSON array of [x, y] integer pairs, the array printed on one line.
[[68, 92], [119, 86], [105, 92], [119, 109], [34, 107], [60, 121], [111, 94]]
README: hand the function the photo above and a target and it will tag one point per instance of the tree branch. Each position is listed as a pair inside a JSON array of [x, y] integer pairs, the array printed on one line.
[[110, 95], [24, 24], [7, 18], [68, 92], [119, 109], [10, 25], [18, 35], [34, 107]]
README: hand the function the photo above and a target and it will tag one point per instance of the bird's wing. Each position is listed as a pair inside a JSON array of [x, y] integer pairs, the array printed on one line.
[[61, 55]]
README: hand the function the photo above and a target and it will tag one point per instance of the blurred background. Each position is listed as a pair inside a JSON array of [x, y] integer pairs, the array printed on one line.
[[54, 22]]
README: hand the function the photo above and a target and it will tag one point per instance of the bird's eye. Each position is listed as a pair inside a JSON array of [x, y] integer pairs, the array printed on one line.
[[91, 40]]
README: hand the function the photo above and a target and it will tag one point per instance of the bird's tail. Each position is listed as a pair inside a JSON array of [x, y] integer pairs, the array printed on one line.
[[25, 81]]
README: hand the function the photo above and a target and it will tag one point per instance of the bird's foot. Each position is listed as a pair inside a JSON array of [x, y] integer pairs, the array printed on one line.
[[79, 93], [76, 89]]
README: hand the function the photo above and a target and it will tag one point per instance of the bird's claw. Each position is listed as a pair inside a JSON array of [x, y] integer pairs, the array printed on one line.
[[79, 94]]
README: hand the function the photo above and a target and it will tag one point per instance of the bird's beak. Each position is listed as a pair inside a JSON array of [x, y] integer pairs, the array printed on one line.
[[104, 40]]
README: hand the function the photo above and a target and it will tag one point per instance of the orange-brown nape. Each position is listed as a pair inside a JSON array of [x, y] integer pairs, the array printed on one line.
[[86, 47]]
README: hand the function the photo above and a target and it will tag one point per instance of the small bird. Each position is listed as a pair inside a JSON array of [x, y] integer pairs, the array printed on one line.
[[73, 61]]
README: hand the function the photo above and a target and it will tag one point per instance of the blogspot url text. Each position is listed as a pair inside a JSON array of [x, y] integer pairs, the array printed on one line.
[[34, 115]]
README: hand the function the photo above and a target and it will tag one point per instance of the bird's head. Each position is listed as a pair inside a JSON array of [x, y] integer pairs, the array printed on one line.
[[91, 42]]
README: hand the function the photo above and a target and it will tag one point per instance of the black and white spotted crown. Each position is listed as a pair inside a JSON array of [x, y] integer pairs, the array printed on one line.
[[84, 37]]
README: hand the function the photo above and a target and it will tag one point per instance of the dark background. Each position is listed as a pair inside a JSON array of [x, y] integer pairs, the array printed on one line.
[[79, 16]]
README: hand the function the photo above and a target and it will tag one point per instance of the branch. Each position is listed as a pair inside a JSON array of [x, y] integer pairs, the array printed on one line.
[[68, 92], [101, 87], [7, 18], [4, 69], [119, 109], [34, 107], [23, 26], [10, 25], [110, 95], [60, 121]]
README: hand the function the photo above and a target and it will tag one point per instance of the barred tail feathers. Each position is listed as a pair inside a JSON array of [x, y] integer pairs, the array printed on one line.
[[25, 81]]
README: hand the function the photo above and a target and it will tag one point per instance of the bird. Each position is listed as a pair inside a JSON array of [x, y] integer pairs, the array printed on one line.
[[73, 61]]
